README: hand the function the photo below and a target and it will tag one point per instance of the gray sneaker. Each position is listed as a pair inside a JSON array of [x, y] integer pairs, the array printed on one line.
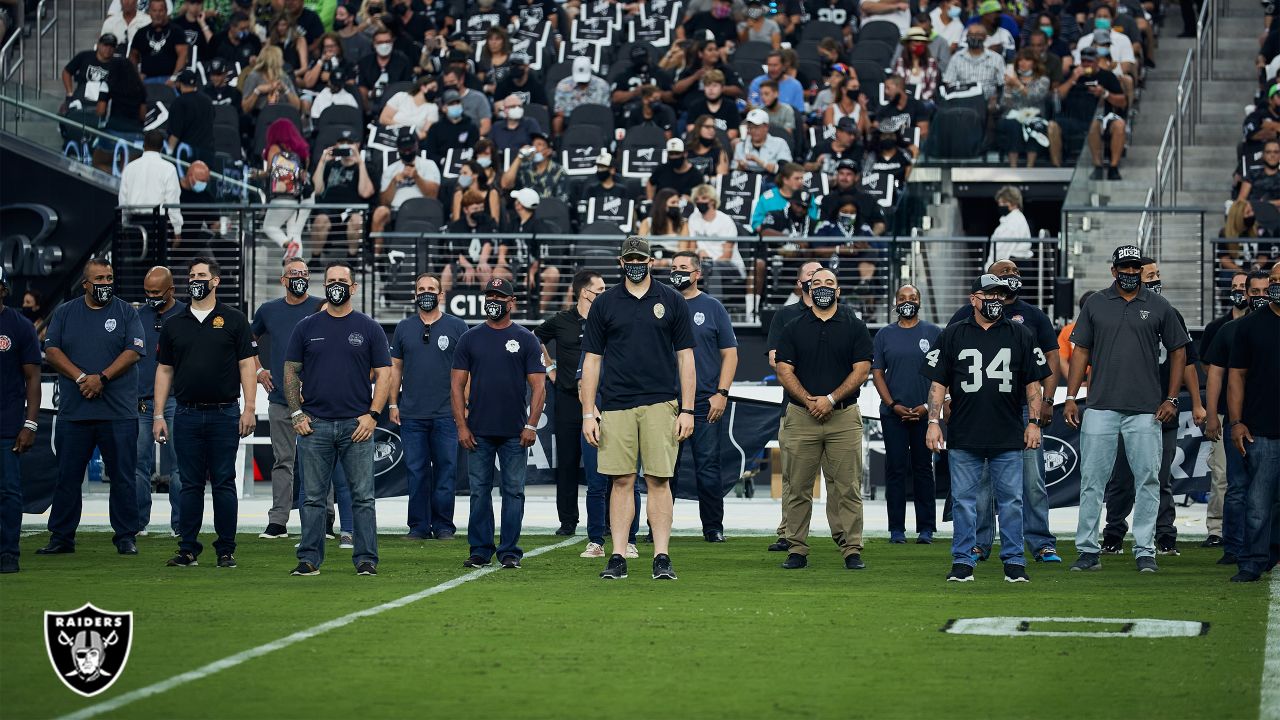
[[1087, 561], [1146, 563]]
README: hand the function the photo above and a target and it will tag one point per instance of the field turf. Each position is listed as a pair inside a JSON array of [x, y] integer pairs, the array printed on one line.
[[734, 637]]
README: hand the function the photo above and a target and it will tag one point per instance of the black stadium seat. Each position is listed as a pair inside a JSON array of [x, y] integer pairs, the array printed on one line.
[[874, 51], [421, 209], [226, 115], [601, 227], [816, 30], [748, 70], [555, 212], [583, 136], [270, 114], [600, 116], [553, 75], [344, 116], [755, 51], [539, 113], [881, 30]]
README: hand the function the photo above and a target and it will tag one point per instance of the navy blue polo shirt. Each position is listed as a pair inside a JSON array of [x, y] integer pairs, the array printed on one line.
[[337, 355], [147, 363], [92, 340], [499, 361], [712, 332], [277, 319], [638, 338], [426, 354], [899, 352], [18, 346]]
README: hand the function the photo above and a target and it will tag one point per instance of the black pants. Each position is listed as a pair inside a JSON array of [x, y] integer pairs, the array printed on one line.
[[1119, 493], [907, 460], [1190, 12], [568, 426]]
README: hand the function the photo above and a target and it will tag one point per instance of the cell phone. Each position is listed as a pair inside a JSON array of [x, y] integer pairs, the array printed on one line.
[[342, 151]]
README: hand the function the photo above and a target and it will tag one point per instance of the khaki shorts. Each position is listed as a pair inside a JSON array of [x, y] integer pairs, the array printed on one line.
[[644, 434]]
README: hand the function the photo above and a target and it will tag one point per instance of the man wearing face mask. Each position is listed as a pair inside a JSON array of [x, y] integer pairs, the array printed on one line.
[[339, 349], [384, 66], [206, 357], [715, 357], [515, 130], [677, 173], [986, 365], [277, 319], [411, 176], [518, 256], [823, 358], [239, 44], [976, 64], [1239, 307], [649, 110], [1118, 333], [535, 167], [422, 352], [645, 408], [520, 81], [356, 44], [94, 343], [582, 87], [607, 191], [340, 178], [158, 307], [475, 106], [898, 354], [19, 419], [493, 364]]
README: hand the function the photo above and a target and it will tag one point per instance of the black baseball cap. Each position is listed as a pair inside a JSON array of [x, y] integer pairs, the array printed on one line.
[[218, 66], [108, 39], [847, 124], [1126, 255], [500, 286], [406, 140], [188, 77], [848, 164]]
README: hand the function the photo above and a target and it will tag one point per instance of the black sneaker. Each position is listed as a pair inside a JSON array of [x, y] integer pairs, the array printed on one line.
[[780, 546], [1167, 546], [366, 568], [1227, 559], [227, 561], [305, 568], [511, 562], [616, 569], [127, 547], [274, 531], [1212, 541], [567, 529], [475, 561], [182, 559], [8, 564], [1113, 173], [854, 562], [56, 549], [1015, 573], [1112, 546], [1097, 173], [444, 535], [795, 561], [1147, 564], [329, 534], [1245, 576], [1087, 561], [715, 536], [960, 573], [662, 568]]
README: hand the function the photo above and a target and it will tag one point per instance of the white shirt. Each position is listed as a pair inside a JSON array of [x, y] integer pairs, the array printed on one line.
[[114, 8], [1121, 48], [1000, 37], [412, 115], [720, 226], [427, 170], [327, 99], [952, 32], [1013, 225], [115, 25], [149, 181], [901, 18]]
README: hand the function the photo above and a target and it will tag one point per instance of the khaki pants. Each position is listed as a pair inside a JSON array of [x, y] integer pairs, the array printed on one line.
[[782, 461], [835, 446], [1217, 487]]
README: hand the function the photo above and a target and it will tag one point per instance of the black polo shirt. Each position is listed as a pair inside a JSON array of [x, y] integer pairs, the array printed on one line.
[[1257, 350], [823, 352], [638, 337], [206, 356], [986, 372], [565, 329]]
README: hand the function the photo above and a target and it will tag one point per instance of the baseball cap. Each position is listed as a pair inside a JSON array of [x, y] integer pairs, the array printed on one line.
[[635, 245], [847, 124], [1126, 255], [518, 58], [801, 198], [218, 66], [108, 39], [675, 145], [500, 286], [1272, 91], [757, 117], [604, 159], [989, 6], [1089, 53], [581, 69], [450, 96], [915, 33], [527, 197], [188, 77], [406, 140], [638, 52], [988, 281], [535, 135], [849, 165]]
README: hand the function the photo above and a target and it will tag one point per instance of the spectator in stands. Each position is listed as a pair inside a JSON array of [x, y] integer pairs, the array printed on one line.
[[716, 22], [521, 82], [760, 151], [239, 45], [898, 13], [191, 119], [790, 91], [514, 130], [847, 235], [828, 155], [707, 221], [410, 176], [946, 23], [639, 73], [337, 92], [790, 183], [781, 115], [308, 21], [341, 178], [650, 110], [150, 180], [1000, 27], [196, 189], [703, 147], [1264, 185], [757, 27], [848, 182], [383, 67], [665, 222], [790, 220], [474, 104], [1264, 122], [721, 111], [472, 176], [580, 88], [1108, 42], [1022, 128], [219, 90], [1065, 27], [159, 50], [917, 67], [676, 174], [194, 25], [315, 77], [891, 156], [86, 77], [494, 58], [125, 25], [976, 64], [457, 130], [694, 77], [1109, 123], [286, 157], [899, 102], [605, 188], [535, 167], [1013, 226], [356, 44], [847, 101], [292, 44], [474, 257], [1054, 64], [518, 257], [414, 109], [266, 83]]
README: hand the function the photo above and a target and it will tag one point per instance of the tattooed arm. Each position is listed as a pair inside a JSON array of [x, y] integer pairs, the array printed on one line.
[[933, 437], [1031, 436], [293, 396]]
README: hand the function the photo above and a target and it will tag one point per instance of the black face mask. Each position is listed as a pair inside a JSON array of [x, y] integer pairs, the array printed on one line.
[[408, 157], [681, 280], [426, 301], [703, 207], [1248, 221], [337, 293], [603, 175], [674, 214], [103, 292], [495, 310], [1239, 300], [675, 161], [806, 286], [340, 24], [1128, 281], [199, 289], [30, 313], [636, 271], [1015, 283], [974, 43], [1154, 286], [907, 310], [1005, 210], [298, 286], [823, 297], [1258, 302], [1273, 292], [399, 9], [992, 309]]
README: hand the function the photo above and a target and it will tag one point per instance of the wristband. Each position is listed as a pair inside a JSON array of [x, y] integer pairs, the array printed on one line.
[[934, 421], [294, 415], [527, 426], [588, 417], [551, 367], [686, 411], [1235, 423], [262, 370], [30, 425], [81, 378], [724, 392], [831, 400], [375, 415], [1172, 401], [104, 377], [393, 407]]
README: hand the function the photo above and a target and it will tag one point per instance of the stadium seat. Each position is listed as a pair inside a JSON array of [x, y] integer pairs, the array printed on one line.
[[643, 136], [160, 93], [270, 114], [753, 51], [420, 209], [341, 116], [874, 51], [885, 32], [226, 141], [601, 116], [584, 136], [554, 211], [748, 70], [816, 30], [226, 115], [539, 113], [553, 75], [600, 227]]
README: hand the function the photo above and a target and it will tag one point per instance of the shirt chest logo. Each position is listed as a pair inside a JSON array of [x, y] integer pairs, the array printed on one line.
[[5, 343], [442, 342], [698, 318], [356, 339], [109, 325], [1017, 318], [659, 310], [218, 322], [1143, 314], [924, 345], [513, 346]]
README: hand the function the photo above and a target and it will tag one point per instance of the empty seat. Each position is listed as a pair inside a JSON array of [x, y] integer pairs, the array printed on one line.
[[753, 51], [600, 116], [343, 116], [881, 30], [420, 209], [817, 30], [554, 211]]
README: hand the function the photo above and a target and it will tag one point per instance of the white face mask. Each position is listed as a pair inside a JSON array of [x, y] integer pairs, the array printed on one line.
[[515, 113], [383, 49]]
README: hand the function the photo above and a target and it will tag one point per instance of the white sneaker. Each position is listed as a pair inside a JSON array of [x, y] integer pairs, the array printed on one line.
[[345, 542], [631, 552], [594, 550], [142, 533]]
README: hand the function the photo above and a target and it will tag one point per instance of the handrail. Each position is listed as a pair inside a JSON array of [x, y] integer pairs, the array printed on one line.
[[9, 64], [43, 29]]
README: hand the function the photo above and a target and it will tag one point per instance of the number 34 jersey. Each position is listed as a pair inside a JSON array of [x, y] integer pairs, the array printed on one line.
[[986, 372]]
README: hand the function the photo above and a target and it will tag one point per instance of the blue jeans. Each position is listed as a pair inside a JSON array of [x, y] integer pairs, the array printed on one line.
[[339, 494], [972, 475], [10, 497], [907, 460], [1100, 433], [76, 439], [328, 445], [208, 438], [1234, 499], [430, 457], [1262, 461], [599, 489], [147, 462], [704, 449], [1035, 505], [513, 463]]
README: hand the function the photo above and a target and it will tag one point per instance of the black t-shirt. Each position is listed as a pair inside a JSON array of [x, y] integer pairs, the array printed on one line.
[[635, 76], [705, 159], [531, 92], [682, 182], [85, 68], [1210, 331], [1219, 351], [447, 134], [832, 157], [1264, 187], [397, 69], [662, 117], [341, 183], [1257, 350], [823, 352], [521, 252], [895, 165], [986, 372], [311, 25], [238, 53], [1080, 104], [194, 36], [726, 116], [868, 209], [695, 91], [125, 91], [1021, 312], [157, 49], [205, 355], [785, 223], [623, 329], [721, 28], [565, 329], [191, 121], [840, 12], [225, 95]]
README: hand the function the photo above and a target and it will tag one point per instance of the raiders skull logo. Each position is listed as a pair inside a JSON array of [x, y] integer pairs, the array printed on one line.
[[88, 647]]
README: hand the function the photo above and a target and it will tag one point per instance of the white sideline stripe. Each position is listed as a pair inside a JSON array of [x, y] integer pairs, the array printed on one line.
[[239, 658], [1269, 697]]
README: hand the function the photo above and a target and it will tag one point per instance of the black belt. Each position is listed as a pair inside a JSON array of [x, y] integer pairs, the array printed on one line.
[[210, 406]]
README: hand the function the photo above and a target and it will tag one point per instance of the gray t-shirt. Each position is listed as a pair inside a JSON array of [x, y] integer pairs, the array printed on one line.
[[476, 106], [276, 319], [92, 340], [1124, 340]]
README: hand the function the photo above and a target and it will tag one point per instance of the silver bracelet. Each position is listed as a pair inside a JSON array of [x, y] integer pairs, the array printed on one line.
[[527, 426], [30, 425]]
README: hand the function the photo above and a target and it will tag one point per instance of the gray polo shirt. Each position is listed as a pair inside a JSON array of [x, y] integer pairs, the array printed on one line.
[[1124, 341]]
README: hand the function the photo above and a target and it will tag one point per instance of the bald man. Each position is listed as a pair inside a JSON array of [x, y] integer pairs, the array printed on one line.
[[158, 306]]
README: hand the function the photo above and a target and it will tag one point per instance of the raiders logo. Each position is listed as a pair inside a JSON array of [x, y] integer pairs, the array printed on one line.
[[88, 647], [387, 451], [1060, 460], [1144, 314]]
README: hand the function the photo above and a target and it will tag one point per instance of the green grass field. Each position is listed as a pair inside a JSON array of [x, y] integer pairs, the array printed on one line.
[[735, 637]]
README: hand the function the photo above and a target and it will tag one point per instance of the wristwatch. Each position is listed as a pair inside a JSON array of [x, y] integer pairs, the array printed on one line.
[[686, 411], [375, 415], [723, 391], [104, 377], [1172, 400]]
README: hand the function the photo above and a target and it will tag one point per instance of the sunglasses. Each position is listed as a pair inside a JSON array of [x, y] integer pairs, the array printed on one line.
[[426, 334]]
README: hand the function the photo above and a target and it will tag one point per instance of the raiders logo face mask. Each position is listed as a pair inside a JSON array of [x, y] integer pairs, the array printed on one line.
[[1015, 282], [337, 293], [199, 289], [495, 310], [1239, 300], [298, 286], [1128, 281], [823, 297], [155, 303], [681, 280], [908, 309], [992, 309], [103, 292]]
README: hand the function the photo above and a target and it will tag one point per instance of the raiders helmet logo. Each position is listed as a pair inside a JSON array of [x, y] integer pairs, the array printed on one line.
[[88, 647]]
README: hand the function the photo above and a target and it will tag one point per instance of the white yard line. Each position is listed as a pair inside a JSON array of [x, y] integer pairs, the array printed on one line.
[[240, 658], [1269, 697]]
